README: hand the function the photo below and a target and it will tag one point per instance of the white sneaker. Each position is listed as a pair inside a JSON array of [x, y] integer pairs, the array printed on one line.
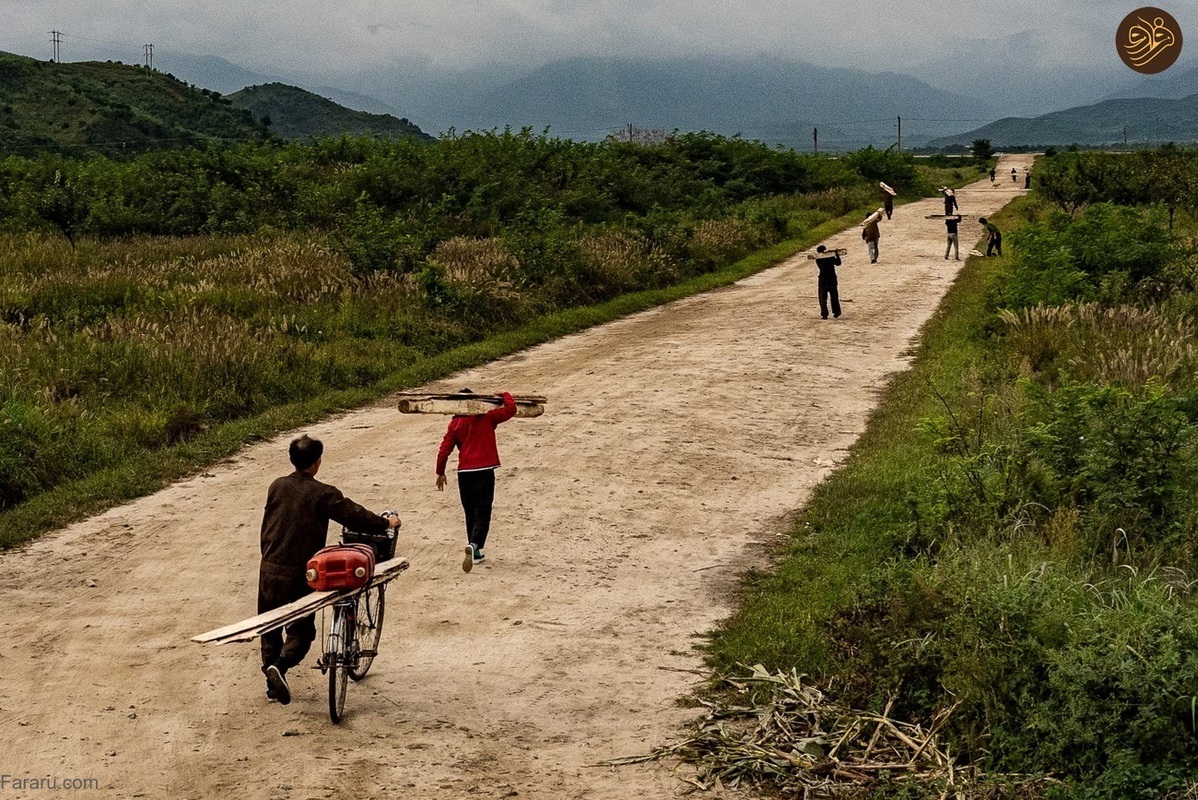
[[468, 561]]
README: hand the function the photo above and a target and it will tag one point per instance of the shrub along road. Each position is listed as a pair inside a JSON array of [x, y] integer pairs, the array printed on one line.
[[674, 443]]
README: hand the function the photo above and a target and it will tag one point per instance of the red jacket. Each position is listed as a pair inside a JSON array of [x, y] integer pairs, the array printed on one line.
[[474, 436]]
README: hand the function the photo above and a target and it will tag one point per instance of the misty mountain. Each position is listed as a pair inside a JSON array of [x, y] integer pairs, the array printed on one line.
[[221, 75], [775, 100], [1180, 80], [1146, 120], [1021, 74]]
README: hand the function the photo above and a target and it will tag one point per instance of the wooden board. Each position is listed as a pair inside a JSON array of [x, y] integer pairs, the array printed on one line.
[[467, 404], [249, 629], [874, 217], [840, 251], [887, 189], [947, 216]]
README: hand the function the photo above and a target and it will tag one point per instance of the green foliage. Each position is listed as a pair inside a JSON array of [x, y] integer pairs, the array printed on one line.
[[893, 167], [1104, 254], [981, 150]]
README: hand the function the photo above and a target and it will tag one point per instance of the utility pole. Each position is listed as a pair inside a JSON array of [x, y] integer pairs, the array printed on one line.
[[56, 43], [815, 141], [1124, 137], [900, 134], [147, 51]]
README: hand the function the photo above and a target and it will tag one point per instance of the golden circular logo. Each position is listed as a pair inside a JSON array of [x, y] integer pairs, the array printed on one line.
[[1148, 40]]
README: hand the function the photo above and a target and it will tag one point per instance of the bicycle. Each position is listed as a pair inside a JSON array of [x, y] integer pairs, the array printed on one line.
[[353, 640], [352, 643]]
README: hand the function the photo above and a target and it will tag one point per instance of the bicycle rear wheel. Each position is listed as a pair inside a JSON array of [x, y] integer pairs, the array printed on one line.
[[371, 605], [337, 657]]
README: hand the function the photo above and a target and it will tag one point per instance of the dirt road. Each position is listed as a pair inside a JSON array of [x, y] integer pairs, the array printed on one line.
[[674, 442]]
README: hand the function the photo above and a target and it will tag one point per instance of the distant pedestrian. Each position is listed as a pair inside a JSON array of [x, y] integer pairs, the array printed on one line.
[[478, 457], [887, 200], [871, 234], [1014, 175], [950, 201], [827, 282], [1027, 179], [953, 238], [994, 243], [992, 174]]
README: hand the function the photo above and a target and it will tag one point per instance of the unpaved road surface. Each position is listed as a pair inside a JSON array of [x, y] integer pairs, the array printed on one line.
[[674, 443]]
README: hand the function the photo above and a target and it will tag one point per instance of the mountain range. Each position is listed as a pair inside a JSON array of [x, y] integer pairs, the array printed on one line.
[[1133, 121]]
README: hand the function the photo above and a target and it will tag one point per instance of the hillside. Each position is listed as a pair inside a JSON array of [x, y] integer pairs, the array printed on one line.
[[1177, 82], [298, 114], [1146, 120], [767, 98], [110, 108]]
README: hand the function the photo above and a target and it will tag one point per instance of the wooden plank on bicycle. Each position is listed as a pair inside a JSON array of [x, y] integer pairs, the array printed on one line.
[[249, 629]]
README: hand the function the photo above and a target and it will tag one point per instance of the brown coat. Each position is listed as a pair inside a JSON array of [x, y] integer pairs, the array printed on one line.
[[296, 522], [871, 232]]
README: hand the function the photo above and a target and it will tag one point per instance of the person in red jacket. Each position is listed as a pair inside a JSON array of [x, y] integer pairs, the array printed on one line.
[[478, 456]]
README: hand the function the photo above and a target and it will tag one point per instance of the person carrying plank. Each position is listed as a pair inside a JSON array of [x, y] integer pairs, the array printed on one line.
[[953, 237], [827, 282], [478, 456], [950, 201], [295, 524], [887, 200], [994, 243], [871, 234]]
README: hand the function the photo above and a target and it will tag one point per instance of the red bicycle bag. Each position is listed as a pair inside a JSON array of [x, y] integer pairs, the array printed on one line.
[[341, 566]]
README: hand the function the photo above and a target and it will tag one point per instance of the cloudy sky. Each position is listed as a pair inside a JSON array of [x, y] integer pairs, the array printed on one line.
[[355, 35]]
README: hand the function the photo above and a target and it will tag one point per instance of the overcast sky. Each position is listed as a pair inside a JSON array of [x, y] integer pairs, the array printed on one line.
[[356, 35]]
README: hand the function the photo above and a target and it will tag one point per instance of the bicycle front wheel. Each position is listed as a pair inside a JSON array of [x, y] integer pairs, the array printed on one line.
[[371, 605], [337, 657]]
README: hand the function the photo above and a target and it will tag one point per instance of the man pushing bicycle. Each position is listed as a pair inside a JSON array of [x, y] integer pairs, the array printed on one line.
[[295, 525]]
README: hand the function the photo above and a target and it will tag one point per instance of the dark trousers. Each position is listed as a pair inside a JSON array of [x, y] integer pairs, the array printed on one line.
[[994, 244], [278, 586], [477, 490], [827, 289]]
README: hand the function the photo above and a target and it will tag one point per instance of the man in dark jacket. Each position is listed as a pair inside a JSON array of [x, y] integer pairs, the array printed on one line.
[[294, 526], [827, 282], [950, 225], [478, 456]]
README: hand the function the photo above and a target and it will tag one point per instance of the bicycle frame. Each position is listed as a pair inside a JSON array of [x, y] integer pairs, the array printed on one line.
[[354, 617]]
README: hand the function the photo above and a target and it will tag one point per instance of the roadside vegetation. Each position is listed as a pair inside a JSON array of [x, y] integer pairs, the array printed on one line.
[[1008, 557], [157, 313]]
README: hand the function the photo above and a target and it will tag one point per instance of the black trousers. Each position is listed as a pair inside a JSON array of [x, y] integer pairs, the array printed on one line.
[[477, 490], [827, 289], [994, 244], [278, 586]]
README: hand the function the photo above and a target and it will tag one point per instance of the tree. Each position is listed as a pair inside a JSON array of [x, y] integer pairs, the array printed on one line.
[[981, 150]]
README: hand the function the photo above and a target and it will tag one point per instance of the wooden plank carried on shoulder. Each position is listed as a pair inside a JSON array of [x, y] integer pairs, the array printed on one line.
[[874, 217], [249, 629], [467, 404], [887, 189], [840, 251], [947, 216]]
